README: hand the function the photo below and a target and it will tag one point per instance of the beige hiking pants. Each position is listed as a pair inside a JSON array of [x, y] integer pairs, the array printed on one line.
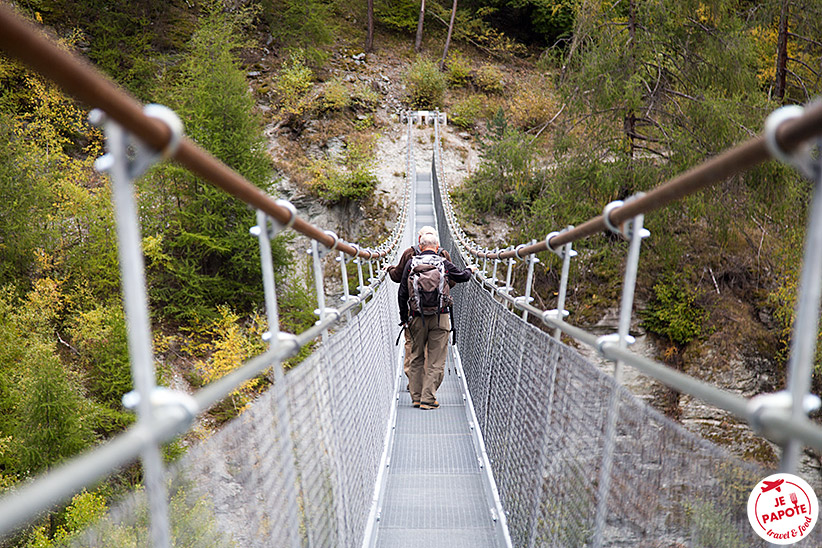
[[425, 376]]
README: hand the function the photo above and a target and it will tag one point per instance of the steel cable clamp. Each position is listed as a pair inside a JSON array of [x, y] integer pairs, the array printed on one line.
[[800, 159], [776, 404], [626, 229], [561, 251], [145, 156], [611, 340], [167, 404]]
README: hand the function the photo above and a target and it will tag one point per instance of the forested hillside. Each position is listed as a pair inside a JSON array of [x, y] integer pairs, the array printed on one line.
[[571, 104]]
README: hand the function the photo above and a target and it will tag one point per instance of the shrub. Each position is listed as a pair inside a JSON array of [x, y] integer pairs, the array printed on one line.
[[425, 84], [673, 312], [489, 79], [465, 112], [531, 104], [458, 71], [102, 342], [335, 96], [291, 83]]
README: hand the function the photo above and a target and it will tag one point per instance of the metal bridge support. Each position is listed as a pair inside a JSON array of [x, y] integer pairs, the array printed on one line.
[[632, 231], [806, 323], [124, 168], [566, 254], [285, 446]]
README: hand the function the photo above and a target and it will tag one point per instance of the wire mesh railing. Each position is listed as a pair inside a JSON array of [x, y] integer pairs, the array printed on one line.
[[578, 460], [309, 449], [230, 487]]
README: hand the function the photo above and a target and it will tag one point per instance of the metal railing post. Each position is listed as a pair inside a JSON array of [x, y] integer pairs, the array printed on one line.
[[566, 253], [123, 170], [344, 274], [532, 260], [286, 448], [806, 322], [633, 231]]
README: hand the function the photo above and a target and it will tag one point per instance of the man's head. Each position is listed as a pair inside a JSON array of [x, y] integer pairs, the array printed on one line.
[[428, 241], [425, 230]]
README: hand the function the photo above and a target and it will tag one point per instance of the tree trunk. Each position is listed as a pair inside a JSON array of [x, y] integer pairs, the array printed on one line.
[[448, 38], [418, 42], [629, 122], [369, 41], [782, 52]]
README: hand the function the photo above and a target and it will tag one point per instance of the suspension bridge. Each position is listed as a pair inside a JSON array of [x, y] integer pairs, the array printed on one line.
[[532, 445]]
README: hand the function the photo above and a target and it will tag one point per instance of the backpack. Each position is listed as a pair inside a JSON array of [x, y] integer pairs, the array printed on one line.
[[428, 290]]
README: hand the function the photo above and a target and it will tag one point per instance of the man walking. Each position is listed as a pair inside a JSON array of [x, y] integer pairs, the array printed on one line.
[[424, 301], [395, 273]]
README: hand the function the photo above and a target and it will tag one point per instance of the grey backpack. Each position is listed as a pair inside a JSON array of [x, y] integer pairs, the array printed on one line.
[[428, 290]]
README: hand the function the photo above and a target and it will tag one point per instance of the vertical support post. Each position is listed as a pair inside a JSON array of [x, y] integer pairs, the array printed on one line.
[[563, 285], [283, 415], [496, 265], [529, 281], [344, 274], [566, 254], [318, 284], [636, 233], [508, 280], [803, 343], [135, 302]]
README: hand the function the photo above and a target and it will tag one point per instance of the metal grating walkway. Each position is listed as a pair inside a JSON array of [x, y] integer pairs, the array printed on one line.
[[437, 492]]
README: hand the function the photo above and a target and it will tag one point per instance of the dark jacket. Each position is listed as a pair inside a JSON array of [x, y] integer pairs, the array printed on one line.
[[451, 270]]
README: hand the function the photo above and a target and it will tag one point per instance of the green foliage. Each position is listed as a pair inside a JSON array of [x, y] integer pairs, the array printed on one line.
[[398, 14], [355, 181], [307, 25], [100, 337], [51, 427], [291, 84], [504, 180], [199, 254], [458, 70], [425, 84], [336, 96], [489, 79], [673, 312], [465, 112], [27, 198]]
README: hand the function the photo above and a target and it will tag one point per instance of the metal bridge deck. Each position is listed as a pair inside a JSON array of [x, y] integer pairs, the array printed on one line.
[[436, 492]]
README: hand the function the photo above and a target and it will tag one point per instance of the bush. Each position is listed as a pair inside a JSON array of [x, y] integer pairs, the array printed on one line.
[[531, 105], [465, 112], [425, 84], [673, 312], [489, 79], [102, 342], [335, 96], [291, 83], [458, 71]]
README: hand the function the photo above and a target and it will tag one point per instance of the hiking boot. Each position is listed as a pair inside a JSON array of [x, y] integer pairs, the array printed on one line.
[[430, 405], [415, 404]]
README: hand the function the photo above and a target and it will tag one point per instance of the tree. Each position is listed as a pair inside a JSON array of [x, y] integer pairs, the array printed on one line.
[[369, 41], [448, 37], [782, 51], [418, 41], [199, 253]]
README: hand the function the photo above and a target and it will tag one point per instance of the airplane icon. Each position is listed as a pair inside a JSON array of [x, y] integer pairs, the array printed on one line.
[[773, 485]]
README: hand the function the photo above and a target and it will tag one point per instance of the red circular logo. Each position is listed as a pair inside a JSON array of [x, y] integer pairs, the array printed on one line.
[[783, 509]]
